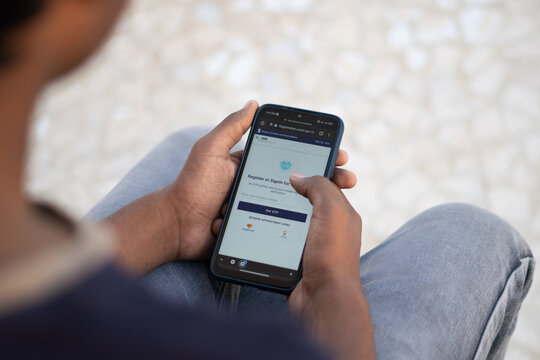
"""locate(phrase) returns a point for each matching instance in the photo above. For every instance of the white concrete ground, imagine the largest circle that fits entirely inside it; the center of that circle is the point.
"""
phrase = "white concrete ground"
(441, 100)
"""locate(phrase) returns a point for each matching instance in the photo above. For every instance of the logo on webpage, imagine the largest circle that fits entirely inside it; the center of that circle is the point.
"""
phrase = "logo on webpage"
(248, 227)
(285, 165)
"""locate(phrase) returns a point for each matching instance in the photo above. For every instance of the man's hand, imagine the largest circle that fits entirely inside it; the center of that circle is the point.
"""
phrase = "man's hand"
(205, 182)
(203, 186)
(330, 297)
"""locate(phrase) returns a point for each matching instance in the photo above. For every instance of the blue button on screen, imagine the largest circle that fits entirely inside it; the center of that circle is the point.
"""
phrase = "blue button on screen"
(271, 211)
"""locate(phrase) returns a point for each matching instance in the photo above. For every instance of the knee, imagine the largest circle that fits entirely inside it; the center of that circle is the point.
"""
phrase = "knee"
(478, 228)
(466, 214)
(470, 244)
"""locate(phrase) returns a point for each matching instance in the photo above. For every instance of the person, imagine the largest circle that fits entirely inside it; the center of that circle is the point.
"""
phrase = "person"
(446, 285)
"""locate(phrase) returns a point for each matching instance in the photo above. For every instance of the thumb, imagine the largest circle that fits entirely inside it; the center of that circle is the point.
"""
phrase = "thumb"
(314, 188)
(229, 132)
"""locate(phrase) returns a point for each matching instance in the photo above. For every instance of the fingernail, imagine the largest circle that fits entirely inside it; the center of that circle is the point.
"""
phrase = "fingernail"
(297, 176)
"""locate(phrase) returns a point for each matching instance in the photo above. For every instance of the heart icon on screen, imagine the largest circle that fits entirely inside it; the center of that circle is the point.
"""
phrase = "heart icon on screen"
(285, 165)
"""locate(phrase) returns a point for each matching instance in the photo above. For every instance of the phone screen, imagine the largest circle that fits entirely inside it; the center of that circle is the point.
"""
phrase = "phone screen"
(266, 225)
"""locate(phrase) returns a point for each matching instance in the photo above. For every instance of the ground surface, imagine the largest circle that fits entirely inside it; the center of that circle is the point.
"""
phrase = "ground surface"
(441, 101)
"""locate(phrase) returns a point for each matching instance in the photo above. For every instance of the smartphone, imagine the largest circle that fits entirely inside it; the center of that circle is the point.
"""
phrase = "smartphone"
(265, 227)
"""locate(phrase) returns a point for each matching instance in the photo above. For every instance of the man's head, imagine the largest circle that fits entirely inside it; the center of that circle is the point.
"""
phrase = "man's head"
(59, 34)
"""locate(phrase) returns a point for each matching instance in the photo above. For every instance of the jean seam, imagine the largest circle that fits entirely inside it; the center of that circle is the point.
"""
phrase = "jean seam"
(510, 275)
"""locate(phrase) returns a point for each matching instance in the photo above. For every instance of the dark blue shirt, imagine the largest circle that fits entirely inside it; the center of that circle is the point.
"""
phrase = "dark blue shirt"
(110, 315)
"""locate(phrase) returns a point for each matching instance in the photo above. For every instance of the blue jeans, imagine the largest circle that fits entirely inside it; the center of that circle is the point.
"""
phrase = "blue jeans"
(447, 285)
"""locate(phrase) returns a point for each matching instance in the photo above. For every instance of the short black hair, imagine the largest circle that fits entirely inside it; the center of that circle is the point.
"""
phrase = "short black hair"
(14, 13)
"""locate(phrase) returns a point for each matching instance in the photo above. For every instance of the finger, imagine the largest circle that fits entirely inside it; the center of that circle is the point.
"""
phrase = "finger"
(343, 178)
(223, 209)
(229, 132)
(237, 155)
(216, 226)
(314, 188)
(342, 158)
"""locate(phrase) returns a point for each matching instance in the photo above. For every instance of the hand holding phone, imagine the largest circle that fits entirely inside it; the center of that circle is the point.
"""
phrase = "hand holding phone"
(329, 297)
(334, 238)
(204, 184)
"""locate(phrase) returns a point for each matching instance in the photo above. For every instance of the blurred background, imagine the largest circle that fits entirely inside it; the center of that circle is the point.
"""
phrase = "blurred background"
(440, 98)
